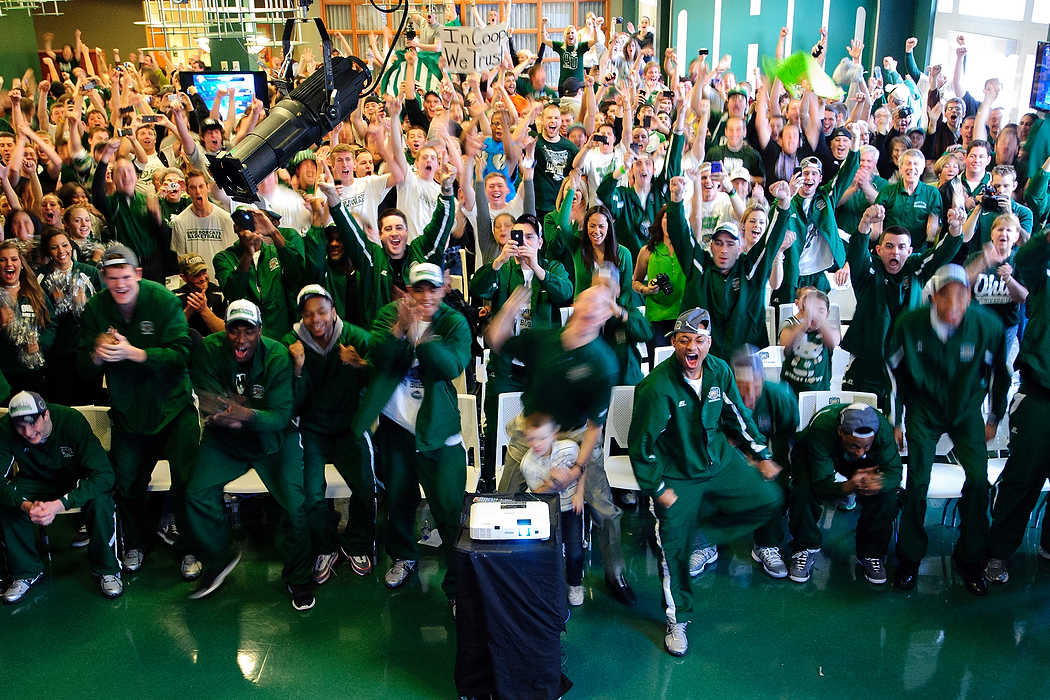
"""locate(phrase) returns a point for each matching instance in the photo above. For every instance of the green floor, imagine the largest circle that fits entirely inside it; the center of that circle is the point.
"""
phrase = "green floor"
(754, 638)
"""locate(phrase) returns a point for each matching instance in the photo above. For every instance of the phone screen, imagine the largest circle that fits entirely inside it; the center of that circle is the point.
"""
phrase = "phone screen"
(716, 167)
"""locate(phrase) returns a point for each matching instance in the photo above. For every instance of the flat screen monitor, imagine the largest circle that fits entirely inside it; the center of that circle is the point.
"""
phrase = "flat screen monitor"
(1041, 78)
(247, 86)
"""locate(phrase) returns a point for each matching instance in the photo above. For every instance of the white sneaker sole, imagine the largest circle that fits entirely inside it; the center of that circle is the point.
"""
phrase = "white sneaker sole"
(702, 569)
(770, 573)
(214, 586)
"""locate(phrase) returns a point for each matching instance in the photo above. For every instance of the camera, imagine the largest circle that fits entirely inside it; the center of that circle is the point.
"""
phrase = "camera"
(243, 219)
(989, 199)
(663, 283)
(124, 132)
(599, 138)
(149, 119)
(617, 20)
(89, 85)
(173, 187)
(410, 32)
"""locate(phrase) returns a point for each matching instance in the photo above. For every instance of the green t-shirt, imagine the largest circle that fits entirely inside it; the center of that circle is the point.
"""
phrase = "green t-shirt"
(807, 362)
(660, 306)
(747, 158)
(572, 386)
(911, 210)
(571, 59)
(553, 162)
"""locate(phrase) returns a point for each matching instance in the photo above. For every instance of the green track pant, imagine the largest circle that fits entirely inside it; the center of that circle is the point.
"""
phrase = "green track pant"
(731, 503)
(1026, 471)
(352, 458)
(874, 527)
(924, 429)
(443, 475)
(281, 473)
(135, 455)
(19, 532)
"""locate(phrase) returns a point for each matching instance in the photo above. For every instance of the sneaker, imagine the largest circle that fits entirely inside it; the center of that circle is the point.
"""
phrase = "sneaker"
(874, 569)
(771, 561)
(323, 566)
(701, 558)
(190, 568)
(675, 640)
(211, 580)
(361, 564)
(575, 595)
(168, 532)
(302, 597)
(133, 559)
(630, 498)
(81, 538)
(847, 502)
(18, 589)
(1044, 553)
(995, 571)
(801, 566)
(398, 572)
(111, 585)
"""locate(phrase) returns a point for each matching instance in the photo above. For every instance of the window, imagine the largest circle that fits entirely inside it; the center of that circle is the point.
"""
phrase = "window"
(357, 19)
(1000, 9)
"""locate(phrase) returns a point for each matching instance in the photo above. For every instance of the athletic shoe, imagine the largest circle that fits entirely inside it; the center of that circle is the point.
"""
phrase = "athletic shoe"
(847, 502)
(211, 580)
(874, 569)
(81, 538)
(630, 498)
(323, 566)
(133, 559)
(302, 596)
(675, 640)
(18, 589)
(771, 561)
(360, 564)
(995, 571)
(801, 566)
(190, 568)
(398, 572)
(111, 585)
(168, 532)
(1044, 553)
(575, 595)
(701, 558)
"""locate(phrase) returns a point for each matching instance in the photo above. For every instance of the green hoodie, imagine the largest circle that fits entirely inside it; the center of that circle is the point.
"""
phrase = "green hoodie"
(665, 442)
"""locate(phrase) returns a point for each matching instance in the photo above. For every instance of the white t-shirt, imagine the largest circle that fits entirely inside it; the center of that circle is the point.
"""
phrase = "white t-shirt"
(816, 253)
(291, 207)
(537, 469)
(363, 197)
(418, 199)
(403, 405)
(204, 235)
(717, 211)
(596, 165)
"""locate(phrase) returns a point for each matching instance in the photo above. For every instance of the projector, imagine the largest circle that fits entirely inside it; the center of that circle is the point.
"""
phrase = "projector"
(498, 519)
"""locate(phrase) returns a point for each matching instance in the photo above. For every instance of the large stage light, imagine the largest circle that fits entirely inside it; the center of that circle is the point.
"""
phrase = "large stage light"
(297, 122)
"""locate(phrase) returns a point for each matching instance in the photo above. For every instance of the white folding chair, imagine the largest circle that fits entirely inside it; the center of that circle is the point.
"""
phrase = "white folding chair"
(468, 428)
(336, 486)
(839, 362)
(772, 361)
(809, 402)
(617, 425)
(566, 311)
(771, 325)
(459, 284)
(509, 406)
(247, 484)
(661, 353)
(98, 418)
(466, 277)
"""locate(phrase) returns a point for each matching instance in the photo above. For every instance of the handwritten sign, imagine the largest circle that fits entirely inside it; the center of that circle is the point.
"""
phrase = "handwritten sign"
(469, 49)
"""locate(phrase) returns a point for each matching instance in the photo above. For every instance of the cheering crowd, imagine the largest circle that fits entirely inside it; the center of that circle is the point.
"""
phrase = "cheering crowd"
(562, 233)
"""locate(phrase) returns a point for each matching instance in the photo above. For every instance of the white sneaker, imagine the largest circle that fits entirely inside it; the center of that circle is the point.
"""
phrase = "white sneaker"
(771, 561)
(190, 568)
(575, 595)
(111, 585)
(323, 566)
(133, 559)
(675, 641)
(701, 558)
(398, 572)
(18, 589)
